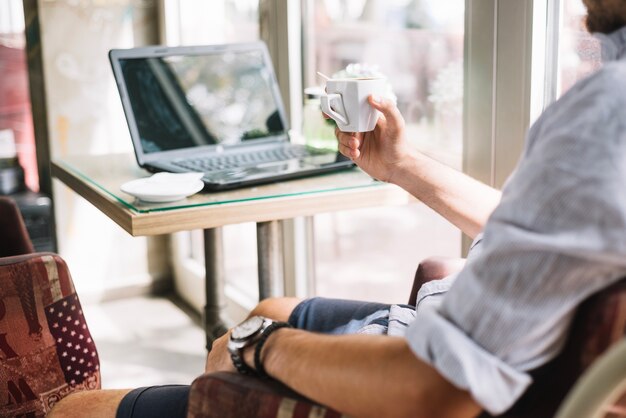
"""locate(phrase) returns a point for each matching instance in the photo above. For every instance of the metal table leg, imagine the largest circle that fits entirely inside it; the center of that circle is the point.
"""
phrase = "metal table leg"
(214, 285)
(270, 258)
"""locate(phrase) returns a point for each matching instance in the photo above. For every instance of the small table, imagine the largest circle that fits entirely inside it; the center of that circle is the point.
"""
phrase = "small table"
(98, 178)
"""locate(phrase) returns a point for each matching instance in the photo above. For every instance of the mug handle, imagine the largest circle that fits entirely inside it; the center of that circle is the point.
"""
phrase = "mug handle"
(325, 103)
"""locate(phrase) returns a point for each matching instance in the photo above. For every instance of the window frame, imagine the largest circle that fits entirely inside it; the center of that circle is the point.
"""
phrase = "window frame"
(507, 84)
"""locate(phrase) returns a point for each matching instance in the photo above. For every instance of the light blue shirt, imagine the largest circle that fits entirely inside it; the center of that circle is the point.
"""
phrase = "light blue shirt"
(558, 236)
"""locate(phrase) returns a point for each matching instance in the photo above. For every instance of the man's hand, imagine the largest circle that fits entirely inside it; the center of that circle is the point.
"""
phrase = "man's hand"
(219, 359)
(380, 152)
(386, 155)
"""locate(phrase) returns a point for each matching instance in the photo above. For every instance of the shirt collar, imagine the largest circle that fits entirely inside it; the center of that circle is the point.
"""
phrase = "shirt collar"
(613, 44)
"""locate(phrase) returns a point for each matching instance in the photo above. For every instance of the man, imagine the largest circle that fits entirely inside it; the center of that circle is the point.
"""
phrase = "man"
(556, 235)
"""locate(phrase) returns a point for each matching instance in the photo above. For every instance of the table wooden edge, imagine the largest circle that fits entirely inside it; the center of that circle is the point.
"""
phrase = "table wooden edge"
(202, 217)
(107, 204)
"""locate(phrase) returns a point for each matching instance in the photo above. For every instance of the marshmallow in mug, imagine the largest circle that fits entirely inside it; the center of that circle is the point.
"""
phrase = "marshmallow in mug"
(346, 103)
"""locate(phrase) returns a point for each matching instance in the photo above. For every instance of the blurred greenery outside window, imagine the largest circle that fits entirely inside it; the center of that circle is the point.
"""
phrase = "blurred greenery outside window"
(371, 254)
(416, 44)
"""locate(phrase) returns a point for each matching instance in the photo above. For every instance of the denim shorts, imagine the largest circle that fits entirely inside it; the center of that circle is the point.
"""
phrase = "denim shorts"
(339, 316)
(329, 316)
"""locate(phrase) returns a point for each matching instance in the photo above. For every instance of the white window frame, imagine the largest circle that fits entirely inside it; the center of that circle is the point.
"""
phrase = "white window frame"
(507, 82)
(499, 89)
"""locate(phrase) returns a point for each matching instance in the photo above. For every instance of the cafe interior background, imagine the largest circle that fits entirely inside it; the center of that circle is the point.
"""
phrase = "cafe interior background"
(465, 104)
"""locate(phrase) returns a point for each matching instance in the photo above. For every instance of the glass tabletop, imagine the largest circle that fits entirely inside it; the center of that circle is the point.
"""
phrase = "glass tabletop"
(108, 172)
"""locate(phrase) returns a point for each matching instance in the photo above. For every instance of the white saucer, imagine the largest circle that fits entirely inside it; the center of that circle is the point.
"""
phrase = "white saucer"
(164, 187)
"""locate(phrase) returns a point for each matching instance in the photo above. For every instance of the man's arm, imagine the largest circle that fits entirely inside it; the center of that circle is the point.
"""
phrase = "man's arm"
(363, 376)
(462, 200)
(360, 375)
(385, 154)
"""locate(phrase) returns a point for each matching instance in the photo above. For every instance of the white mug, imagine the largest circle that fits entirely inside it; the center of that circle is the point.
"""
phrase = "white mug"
(346, 103)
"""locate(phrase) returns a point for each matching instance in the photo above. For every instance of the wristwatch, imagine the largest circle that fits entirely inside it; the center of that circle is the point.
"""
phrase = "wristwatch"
(244, 335)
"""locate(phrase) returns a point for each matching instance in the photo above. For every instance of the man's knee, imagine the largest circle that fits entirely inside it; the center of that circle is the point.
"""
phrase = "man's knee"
(276, 308)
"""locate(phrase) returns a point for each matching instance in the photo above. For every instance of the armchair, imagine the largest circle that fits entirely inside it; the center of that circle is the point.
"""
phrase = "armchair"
(46, 350)
(599, 323)
(601, 391)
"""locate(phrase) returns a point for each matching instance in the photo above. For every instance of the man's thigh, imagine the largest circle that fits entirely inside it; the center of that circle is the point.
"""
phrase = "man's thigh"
(330, 316)
(279, 309)
(338, 316)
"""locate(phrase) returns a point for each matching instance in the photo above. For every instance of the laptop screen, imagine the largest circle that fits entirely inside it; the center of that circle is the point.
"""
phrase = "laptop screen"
(184, 101)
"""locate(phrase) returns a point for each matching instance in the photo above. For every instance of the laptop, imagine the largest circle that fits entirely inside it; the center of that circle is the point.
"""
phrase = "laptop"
(215, 109)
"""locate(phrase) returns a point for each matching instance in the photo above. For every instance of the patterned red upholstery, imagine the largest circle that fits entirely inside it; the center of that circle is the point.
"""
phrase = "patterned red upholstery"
(598, 324)
(231, 395)
(46, 350)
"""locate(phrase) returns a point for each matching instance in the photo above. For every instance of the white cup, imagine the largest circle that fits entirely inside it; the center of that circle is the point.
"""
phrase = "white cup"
(346, 103)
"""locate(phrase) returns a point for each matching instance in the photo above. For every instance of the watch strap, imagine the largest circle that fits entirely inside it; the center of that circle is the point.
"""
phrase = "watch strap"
(258, 364)
(240, 365)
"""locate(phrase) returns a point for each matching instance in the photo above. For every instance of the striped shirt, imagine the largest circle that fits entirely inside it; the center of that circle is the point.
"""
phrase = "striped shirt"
(558, 236)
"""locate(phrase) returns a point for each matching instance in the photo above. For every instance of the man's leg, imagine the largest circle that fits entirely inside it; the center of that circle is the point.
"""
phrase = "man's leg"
(166, 401)
(333, 316)
(105, 403)
(278, 309)
(92, 403)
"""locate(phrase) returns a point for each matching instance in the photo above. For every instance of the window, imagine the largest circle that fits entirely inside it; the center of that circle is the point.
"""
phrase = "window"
(197, 22)
(417, 45)
(426, 66)
(372, 254)
(16, 125)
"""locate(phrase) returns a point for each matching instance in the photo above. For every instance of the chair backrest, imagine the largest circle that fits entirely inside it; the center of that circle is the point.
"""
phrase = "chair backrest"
(601, 391)
(599, 323)
(46, 350)
(14, 239)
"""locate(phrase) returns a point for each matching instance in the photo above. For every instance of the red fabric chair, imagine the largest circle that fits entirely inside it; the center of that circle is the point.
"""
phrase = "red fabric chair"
(46, 350)
(599, 323)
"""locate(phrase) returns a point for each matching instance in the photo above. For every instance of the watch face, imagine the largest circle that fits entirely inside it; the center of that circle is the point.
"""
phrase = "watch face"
(247, 328)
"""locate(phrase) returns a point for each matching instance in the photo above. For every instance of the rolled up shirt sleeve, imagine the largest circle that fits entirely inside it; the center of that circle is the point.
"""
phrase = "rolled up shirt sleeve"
(558, 236)
(491, 381)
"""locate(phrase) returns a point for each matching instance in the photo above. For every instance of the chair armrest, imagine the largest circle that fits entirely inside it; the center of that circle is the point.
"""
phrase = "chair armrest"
(231, 395)
(434, 268)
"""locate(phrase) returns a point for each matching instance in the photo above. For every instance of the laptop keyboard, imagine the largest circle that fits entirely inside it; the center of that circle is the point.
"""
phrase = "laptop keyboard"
(235, 160)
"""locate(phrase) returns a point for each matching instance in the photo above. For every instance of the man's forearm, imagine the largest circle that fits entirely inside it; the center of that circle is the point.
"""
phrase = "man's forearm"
(465, 202)
(363, 376)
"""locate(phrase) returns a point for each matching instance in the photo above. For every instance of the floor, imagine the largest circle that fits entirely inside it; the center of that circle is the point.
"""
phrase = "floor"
(145, 341)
